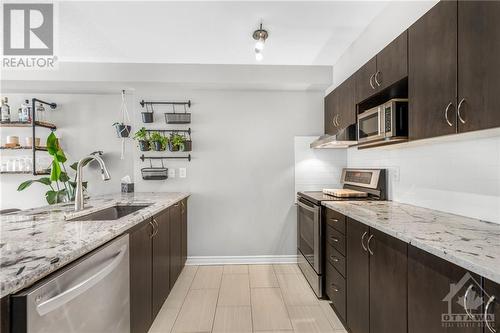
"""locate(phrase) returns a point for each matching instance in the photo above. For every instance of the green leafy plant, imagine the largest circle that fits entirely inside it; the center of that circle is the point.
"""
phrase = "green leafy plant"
(61, 187)
(177, 142)
(157, 137)
(141, 134)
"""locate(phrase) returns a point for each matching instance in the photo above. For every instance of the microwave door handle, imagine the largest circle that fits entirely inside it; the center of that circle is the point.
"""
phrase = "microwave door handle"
(73, 292)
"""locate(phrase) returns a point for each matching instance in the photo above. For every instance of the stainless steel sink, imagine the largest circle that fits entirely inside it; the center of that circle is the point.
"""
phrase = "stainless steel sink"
(110, 213)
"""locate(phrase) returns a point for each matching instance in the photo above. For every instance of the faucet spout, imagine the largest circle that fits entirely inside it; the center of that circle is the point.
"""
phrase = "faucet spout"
(79, 202)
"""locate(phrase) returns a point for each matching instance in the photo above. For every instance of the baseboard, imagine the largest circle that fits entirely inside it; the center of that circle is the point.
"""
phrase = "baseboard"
(247, 260)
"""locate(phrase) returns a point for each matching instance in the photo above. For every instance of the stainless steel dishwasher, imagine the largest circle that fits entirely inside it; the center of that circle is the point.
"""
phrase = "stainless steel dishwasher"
(91, 295)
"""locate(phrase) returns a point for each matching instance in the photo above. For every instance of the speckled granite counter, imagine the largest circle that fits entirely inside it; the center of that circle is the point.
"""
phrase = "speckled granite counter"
(36, 242)
(466, 242)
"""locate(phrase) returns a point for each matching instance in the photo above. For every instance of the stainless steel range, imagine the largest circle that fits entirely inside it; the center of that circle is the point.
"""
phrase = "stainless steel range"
(358, 184)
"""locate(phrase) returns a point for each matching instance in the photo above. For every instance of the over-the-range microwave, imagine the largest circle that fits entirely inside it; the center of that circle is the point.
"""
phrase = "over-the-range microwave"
(386, 121)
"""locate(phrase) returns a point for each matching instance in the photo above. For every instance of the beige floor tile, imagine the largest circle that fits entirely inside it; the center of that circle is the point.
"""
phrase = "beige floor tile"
(331, 316)
(164, 321)
(181, 287)
(268, 310)
(296, 290)
(234, 290)
(235, 269)
(286, 269)
(233, 319)
(197, 312)
(188, 273)
(309, 319)
(262, 276)
(207, 277)
(279, 331)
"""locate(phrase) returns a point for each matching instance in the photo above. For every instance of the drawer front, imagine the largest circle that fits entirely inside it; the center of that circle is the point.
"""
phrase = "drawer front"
(336, 239)
(335, 258)
(336, 220)
(336, 290)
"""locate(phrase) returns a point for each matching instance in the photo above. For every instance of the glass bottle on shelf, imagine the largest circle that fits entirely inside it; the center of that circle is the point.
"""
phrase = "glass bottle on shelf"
(5, 114)
(40, 112)
(26, 107)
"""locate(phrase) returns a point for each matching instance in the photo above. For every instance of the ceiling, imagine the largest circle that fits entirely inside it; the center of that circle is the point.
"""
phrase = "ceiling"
(209, 32)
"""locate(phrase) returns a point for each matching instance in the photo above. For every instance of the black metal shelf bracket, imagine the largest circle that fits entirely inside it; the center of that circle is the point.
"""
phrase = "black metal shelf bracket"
(188, 157)
(34, 125)
(143, 103)
(188, 131)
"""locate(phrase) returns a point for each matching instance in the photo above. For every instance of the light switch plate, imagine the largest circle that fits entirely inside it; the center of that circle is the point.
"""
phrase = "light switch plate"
(171, 173)
(182, 172)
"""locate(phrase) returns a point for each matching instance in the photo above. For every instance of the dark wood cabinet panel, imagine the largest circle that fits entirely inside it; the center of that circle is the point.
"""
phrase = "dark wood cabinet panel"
(141, 278)
(175, 242)
(336, 290)
(336, 220)
(364, 77)
(388, 283)
(336, 239)
(346, 114)
(184, 246)
(479, 64)
(392, 62)
(492, 297)
(161, 261)
(432, 80)
(336, 259)
(331, 109)
(430, 280)
(358, 297)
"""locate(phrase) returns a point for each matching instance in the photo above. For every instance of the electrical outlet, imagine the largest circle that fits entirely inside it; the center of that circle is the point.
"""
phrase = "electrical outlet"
(171, 173)
(182, 172)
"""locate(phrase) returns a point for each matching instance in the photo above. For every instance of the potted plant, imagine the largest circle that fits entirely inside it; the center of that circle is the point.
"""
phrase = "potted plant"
(142, 138)
(122, 130)
(177, 142)
(158, 141)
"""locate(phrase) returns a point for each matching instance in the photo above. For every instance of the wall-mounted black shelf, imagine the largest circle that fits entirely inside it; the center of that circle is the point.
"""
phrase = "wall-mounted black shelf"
(143, 103)
(45, 124)
(188, 131)
(188, 157)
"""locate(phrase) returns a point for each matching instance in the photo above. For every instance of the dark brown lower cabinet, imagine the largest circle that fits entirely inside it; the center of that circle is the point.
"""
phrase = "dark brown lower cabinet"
(141, 278)
(358, 283)
(175, 242)
(436, 287)
(388, 283)
(161, 261)
(184, 232)
(492, 301)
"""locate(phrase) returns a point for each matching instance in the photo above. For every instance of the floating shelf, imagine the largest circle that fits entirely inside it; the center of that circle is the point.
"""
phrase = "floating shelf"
(39, 148)
(37, 173)
(28, 124)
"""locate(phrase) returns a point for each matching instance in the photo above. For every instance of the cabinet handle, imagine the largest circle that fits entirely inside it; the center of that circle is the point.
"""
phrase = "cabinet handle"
(465, 301)
(338, 120)
(368, 244)
(371, 81)
(486, 308)
(334, 220)
(334, 259)
(363, 241)
(157, 226)
(183, 207)
(335, 288)
(446, 114)
(153, 229)
(334, 239)
(376, 78)
(462, 120)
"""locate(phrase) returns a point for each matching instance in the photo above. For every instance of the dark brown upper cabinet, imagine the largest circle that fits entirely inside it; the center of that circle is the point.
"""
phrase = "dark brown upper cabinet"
(365, 86)
(331, 107)
(340, 107)
(478, 65)
(429, 293)
(432, 79)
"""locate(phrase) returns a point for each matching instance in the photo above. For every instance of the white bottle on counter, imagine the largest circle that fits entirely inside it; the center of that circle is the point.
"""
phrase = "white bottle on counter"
(5, 110)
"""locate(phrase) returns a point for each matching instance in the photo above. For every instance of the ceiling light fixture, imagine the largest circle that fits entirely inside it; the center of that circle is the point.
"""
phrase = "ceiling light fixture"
(260, 35)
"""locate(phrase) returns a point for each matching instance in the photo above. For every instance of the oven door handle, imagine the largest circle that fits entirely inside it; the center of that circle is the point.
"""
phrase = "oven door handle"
(306, 207)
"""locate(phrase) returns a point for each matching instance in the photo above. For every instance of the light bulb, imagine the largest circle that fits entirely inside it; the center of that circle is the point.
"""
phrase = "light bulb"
(259, 56)
(259, 46)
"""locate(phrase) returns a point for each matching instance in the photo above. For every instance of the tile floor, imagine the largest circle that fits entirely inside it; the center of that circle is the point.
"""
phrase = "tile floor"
(244, 298)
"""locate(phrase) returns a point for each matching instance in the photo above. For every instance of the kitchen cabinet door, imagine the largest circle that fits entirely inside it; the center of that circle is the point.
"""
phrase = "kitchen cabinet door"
(432, 79)
(346, 103)
(175, 242)
(478, 65)
(492, 291)
(392, 62)
(358, 283)
(388, 283)
(364, 77)
(331, 110)
(430, 295)
(140, 243)
(161, 261)
(183, 232)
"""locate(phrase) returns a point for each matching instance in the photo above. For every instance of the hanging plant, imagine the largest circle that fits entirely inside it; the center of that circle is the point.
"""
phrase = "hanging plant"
(142, 138)
(122, 129)
(158, 141)
(177, 142)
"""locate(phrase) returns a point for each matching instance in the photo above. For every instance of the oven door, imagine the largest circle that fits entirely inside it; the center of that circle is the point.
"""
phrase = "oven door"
(371, 125)
(309, 233)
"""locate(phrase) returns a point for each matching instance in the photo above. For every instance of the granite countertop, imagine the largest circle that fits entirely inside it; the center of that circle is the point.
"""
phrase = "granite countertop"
(36, 242)
(470, 243)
